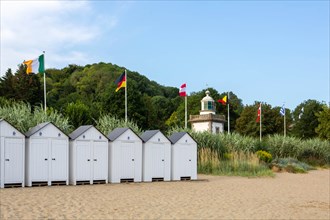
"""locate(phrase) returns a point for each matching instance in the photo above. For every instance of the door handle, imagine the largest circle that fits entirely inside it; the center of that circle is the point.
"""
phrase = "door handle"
(6, 159)
(95, 159)
(88, 160)
(189, 160)
(132, 159)
(53, 158)
(46, 159)
(162, 159)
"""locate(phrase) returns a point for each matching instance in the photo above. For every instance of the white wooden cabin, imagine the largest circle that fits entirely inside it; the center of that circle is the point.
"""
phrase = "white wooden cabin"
(12, 153)
(88, 156)
(184, 157)
(125, 156)
(47, 156)
(156, 165)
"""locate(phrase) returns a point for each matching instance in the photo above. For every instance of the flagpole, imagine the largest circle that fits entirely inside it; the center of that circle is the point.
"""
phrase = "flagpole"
(228, 114)
(284, 124)
(45, 93)
(185, 112)
(260, 122)
(126, 96)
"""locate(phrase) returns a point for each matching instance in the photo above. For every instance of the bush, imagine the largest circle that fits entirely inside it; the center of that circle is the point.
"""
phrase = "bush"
(264, 156)
(291, 165)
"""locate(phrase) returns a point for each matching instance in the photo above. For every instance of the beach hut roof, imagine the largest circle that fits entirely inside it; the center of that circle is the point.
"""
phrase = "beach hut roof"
(79, 131)
(82, 129)
(38, 127)
(175, 137)
(119, 131)
(149, 134)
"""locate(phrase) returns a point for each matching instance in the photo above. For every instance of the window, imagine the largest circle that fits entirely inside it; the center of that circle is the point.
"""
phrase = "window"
(217, 130)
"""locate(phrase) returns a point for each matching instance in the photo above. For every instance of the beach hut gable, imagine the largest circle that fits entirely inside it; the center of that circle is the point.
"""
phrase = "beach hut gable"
(8, 130)
(155, 136)
(12, 155)
(87, 132)
(46, 129)
(123, 134)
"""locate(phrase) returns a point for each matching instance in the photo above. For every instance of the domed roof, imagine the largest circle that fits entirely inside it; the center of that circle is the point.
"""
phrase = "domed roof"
(207, 97)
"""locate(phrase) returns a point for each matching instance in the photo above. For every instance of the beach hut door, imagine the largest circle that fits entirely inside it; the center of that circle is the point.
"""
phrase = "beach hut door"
(127, 159)
(158, 160)
(13, 160)
(59, 160)
(100, 160)
(84, 160)
(186, 156)
(39, 160)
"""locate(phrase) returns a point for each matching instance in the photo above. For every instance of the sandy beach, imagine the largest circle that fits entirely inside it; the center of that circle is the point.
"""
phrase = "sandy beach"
(286, 196)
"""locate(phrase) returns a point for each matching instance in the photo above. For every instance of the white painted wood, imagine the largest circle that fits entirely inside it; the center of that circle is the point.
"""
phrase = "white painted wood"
(89, 157)
(12, 155)
(47, 156)
(39, 160)
(84, 161)
(157, 158)
(59, 160)
(100, 160)
(125, 158)
(184, 158)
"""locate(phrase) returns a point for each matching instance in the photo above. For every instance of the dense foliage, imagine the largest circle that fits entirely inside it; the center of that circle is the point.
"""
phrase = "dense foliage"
(85, 94)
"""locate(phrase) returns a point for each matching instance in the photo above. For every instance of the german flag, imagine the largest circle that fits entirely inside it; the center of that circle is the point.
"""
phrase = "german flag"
(121, 81)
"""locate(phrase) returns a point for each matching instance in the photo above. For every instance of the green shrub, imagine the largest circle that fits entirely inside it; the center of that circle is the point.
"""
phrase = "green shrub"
(291, 165)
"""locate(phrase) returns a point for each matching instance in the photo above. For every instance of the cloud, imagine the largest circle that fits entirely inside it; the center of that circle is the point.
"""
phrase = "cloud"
(60, 28)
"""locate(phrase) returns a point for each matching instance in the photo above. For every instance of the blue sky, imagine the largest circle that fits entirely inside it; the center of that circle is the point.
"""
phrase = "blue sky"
(271, 51)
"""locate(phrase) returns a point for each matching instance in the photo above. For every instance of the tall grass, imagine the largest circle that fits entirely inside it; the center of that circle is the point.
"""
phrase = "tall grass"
(237, 163)
(22, 116)
(108, 123)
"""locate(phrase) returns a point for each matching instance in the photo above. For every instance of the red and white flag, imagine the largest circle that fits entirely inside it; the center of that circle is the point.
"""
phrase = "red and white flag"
(259, 113)
(182, 91)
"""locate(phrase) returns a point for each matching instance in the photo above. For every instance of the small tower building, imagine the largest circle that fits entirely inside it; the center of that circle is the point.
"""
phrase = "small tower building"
(207, 120)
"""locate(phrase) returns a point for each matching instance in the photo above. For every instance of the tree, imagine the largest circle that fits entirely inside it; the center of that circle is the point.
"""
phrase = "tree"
(271, 120)
(78, 114)
(305, 119)
(235, 109)
(323, 117)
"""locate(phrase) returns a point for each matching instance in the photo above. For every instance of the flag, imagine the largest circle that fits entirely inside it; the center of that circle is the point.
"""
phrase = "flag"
(182, 91)
(223, 100)
(259, 113)
(121, 81)
(282, 111)
(35, 66)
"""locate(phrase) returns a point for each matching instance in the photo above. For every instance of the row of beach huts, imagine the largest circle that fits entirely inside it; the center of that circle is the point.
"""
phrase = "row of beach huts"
(45, 155)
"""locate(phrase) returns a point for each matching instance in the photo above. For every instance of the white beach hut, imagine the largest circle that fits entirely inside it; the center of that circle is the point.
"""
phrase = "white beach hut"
(125, 156)
(156, 165)
(47, 156)
(184, 157)
(88, 156)
(12, 153)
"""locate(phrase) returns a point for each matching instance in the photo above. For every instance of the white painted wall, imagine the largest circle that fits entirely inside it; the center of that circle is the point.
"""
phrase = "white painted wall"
(184, 158)
(12, 151)
(125, 158)
(156, 158)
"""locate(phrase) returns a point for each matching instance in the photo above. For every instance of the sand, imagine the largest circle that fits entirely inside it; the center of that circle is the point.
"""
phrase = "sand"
(286, 196)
